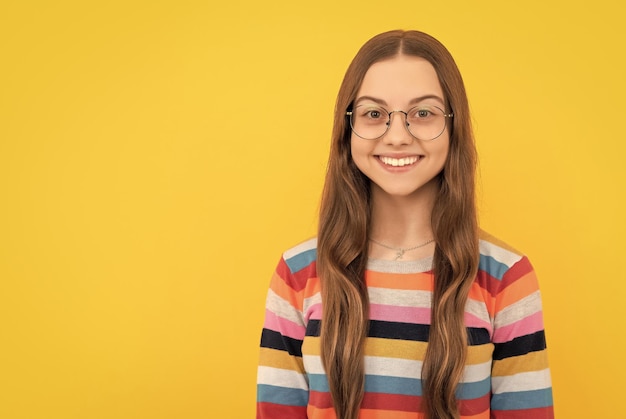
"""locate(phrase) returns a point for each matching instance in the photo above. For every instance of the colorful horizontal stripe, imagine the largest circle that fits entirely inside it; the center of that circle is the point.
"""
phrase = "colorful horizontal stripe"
(506, 374)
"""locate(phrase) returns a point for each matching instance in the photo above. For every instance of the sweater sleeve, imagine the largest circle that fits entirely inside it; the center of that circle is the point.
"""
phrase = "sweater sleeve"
(282, 385)
(521, 384)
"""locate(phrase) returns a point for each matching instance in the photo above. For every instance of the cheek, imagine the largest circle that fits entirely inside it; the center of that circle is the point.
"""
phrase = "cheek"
(359, 155)
(439, 153)
(354, 144)
(355, 150)
(445, 150)
(443, 147)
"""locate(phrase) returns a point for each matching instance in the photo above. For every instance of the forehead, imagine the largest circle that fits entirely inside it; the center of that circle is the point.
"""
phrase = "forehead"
(401, 79)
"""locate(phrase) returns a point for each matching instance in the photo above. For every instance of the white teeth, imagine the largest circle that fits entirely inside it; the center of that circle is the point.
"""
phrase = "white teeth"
(390, 161)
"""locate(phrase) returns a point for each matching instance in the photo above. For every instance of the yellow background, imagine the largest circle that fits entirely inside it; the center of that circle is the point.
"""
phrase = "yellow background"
(157, 157)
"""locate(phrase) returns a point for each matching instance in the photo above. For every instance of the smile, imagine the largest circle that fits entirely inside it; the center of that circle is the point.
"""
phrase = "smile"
(404, 161)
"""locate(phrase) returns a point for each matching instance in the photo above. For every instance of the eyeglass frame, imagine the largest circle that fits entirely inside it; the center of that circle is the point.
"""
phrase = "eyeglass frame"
(349, 113)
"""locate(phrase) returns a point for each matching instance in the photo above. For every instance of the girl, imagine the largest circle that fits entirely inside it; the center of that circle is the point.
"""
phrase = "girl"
(402, 307)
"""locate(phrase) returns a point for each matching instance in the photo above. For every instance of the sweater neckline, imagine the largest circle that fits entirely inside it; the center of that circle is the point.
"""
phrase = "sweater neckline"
(400, 266)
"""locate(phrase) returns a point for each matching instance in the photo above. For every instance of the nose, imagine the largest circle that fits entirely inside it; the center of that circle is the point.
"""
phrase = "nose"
(398, 132)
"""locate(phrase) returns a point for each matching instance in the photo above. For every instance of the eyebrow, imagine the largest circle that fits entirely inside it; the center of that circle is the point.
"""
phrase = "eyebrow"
(411, 102)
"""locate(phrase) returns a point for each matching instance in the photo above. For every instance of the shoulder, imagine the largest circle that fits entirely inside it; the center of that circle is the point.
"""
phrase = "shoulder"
(297, 264)
(301, 256)
(500, 264)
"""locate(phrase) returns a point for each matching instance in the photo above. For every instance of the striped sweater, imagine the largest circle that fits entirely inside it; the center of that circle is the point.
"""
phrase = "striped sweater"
(506, 374)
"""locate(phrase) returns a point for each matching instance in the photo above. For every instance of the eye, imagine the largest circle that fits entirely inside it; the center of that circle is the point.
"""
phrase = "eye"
(424, 114)
(371, 113)
(421, 113)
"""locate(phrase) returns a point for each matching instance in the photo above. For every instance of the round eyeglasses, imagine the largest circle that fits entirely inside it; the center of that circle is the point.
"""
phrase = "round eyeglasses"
(424, 122)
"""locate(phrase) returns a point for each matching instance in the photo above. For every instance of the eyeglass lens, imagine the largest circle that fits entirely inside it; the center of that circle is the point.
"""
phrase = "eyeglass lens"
(424, 122)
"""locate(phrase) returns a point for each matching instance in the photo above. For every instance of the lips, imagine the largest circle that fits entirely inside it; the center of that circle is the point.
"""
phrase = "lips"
(398, 162)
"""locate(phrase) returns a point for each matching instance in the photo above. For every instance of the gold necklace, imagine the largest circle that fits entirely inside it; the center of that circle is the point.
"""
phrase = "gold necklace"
(399, 250)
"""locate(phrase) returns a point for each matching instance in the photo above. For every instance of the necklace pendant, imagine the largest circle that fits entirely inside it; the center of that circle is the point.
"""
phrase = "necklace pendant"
(400, 251)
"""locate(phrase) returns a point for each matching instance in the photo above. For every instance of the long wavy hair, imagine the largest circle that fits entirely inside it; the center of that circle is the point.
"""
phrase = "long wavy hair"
(343, 240)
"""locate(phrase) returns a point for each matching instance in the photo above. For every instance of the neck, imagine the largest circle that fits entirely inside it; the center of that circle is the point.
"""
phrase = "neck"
(402, 221)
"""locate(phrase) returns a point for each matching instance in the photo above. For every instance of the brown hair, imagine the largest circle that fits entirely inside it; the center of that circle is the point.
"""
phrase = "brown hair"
(343, 240)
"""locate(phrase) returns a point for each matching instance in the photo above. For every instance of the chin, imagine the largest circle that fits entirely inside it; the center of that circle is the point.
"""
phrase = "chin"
(401, 192)
(406, 191)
